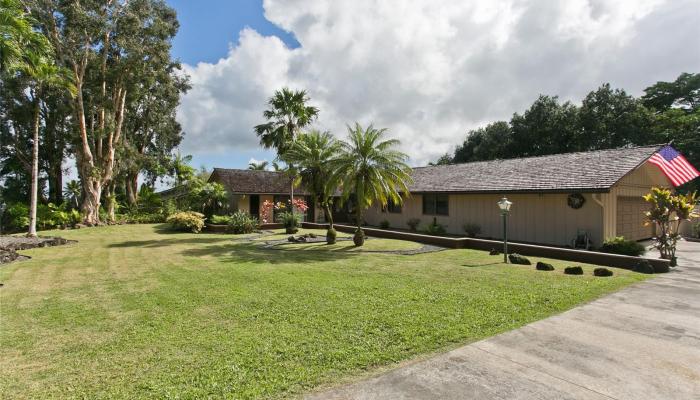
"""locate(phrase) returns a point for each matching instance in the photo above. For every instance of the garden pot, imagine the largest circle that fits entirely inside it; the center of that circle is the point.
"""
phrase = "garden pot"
(359, 238)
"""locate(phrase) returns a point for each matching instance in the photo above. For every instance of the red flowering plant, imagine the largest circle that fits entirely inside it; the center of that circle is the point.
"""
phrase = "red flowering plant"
(290, 215)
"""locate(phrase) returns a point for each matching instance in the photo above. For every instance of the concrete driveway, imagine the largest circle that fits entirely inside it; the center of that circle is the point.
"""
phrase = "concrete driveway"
(642, 342)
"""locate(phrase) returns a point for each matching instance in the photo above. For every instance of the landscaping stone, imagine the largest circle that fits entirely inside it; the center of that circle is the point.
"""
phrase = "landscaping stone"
(602, 272)
(577, 270)
(516, 258)
(9, 245)
(541, 266)
(494, 252)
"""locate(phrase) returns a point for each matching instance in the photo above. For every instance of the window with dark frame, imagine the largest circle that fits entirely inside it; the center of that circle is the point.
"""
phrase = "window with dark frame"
(436, 204)
(392, 207)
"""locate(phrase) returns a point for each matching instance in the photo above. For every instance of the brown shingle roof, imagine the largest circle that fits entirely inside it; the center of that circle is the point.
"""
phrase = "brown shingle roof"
(247, 181)
(593, 171)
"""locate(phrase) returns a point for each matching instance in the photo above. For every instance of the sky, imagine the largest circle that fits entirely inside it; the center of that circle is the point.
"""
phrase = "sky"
(428, 71)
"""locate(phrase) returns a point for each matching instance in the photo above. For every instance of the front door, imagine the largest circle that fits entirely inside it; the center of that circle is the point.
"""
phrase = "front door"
(255, 205)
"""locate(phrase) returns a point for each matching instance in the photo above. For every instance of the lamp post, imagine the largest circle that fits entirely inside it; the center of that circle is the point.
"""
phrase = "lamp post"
(504, 205)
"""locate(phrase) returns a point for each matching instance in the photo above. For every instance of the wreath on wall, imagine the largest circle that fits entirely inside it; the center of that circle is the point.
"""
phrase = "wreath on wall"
(575, 200)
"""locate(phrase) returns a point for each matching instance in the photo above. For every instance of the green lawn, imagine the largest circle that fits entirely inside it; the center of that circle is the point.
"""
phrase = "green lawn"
(135, 311)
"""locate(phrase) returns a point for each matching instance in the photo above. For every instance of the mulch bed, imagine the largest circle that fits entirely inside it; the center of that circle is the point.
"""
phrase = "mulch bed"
(9, 245)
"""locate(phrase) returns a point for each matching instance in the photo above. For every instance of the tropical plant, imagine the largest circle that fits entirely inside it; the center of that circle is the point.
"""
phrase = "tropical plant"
(620, 245)
(313, 152)
(287, 114)
(242, 222)
(258, 166)
(413, 224)
(435, 228)
(189, 221)
(472, 229)
(667, 212)
(290, 220)
(220, 219)
(370, 168)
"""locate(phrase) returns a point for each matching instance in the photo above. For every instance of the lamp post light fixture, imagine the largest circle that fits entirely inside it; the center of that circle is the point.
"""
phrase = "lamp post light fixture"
(504, 205)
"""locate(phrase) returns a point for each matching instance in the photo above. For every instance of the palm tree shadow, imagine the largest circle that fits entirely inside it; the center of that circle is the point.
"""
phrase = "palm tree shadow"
(257, 254)
(481, 265)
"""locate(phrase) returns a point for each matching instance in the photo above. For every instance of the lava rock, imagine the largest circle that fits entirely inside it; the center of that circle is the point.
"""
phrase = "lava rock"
(577, 270)
(494, 252)
(544, 266)
(602, 272)
(516, 258)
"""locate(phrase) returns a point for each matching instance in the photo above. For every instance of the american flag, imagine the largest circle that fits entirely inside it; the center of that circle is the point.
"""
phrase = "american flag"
(674, 165)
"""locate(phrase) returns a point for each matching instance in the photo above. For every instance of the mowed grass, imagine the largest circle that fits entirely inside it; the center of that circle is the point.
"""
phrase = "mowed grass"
(134, 311)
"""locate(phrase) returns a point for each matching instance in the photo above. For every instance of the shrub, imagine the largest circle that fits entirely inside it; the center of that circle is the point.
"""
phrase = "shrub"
(331, 236)
(472, 230)
(137, 217)
(602, 272)
(220, 219)
(290, 220)
(16, 217)
(169, 208)
(619, 245)
(384, 224)
(435, 229)
(644, 267)
(577, 270)
(413, 224)
(189, 221)
(242, 222)
(541, 266)
(516, 258)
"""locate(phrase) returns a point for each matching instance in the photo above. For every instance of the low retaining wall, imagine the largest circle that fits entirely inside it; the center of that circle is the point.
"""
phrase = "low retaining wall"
(559, 253)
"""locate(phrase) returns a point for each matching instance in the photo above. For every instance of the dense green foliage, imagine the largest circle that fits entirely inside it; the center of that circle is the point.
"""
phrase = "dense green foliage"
(192, 316)
(219, 219)
(187, 221)
(242, 222)
(290, 220)
(606, 118)
(667, 211)
(620, 245)
(435, 228)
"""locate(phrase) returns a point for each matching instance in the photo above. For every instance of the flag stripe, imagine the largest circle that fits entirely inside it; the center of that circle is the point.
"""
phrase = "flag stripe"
(663, 164)
(674, 166)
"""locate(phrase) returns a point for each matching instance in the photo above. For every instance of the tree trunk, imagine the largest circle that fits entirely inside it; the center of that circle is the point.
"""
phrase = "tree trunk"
(35, 170)
(132, 194)
(329, 216)
(111, 203)
(56, 183)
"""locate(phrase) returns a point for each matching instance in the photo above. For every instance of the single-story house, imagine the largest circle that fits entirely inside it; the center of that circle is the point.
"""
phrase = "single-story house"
(249, 189)
(554, 197)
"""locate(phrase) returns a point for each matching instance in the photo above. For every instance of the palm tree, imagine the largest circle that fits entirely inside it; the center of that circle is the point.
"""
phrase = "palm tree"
(370, 168)
(19, 41)
(180, 168)
(258, 166)
(72, 191)
(313, 152)
(288, 113)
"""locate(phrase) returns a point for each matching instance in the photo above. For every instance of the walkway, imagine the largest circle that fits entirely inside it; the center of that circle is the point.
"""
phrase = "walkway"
(640, 343)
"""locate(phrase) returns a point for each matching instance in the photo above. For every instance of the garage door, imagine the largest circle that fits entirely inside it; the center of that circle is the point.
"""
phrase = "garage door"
(630, 218)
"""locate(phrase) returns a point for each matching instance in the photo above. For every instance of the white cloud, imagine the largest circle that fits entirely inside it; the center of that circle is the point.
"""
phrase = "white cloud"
(431, 70)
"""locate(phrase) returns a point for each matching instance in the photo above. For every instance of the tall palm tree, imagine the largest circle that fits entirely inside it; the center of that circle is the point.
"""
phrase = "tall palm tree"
(288, 113)
(372, 169)
(313, 152)
(258, 166)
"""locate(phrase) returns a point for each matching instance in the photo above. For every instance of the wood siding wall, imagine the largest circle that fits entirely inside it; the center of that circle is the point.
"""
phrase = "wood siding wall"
(534, 218)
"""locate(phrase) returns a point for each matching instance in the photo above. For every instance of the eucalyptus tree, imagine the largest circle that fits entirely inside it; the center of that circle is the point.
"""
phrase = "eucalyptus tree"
(313, 153)
(371, 168)
(287, 114)
(109, 46)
